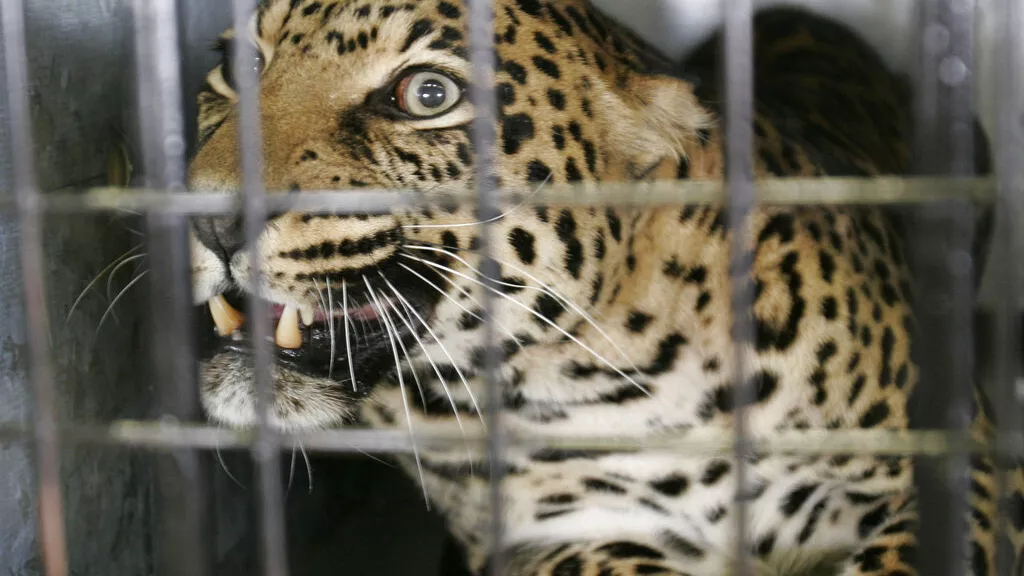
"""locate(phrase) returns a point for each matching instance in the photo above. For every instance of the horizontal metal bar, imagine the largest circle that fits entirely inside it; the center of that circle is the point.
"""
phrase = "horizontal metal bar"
(173, 435)
(781, 191)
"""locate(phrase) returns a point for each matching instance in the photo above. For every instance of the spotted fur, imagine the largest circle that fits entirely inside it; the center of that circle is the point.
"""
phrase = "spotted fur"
(612, 320)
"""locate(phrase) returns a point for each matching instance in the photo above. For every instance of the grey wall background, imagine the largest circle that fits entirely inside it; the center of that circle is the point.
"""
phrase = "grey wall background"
(81, 92)
(79, 50)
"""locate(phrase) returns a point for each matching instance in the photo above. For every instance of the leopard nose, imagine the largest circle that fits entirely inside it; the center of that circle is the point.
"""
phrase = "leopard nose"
(223, 235)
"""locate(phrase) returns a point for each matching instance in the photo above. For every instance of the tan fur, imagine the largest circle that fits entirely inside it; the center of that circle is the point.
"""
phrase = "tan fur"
(645, 346)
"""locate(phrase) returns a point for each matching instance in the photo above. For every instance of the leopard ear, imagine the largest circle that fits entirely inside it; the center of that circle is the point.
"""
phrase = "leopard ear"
(662, 118)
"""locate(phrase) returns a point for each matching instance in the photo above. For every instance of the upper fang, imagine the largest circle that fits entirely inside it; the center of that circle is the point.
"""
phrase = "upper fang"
(287, 334)
(227, 319)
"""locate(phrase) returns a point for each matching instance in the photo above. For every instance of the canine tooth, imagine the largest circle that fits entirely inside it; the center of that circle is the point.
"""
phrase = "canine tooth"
(308, 315)
(287, 334)
(227, 319)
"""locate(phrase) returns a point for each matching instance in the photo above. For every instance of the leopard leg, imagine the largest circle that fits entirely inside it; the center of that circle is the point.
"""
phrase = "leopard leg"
(986, 527)
(1013, 522)
(983, 520)
(889, 549)
(668, 555)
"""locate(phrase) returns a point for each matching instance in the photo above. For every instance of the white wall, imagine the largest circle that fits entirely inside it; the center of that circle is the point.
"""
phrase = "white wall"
(676, 26)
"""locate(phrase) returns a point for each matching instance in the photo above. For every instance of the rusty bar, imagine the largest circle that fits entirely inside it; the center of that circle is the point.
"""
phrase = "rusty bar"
(33, 269)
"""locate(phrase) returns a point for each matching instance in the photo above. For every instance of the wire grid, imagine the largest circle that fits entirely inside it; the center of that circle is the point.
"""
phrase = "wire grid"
(943, 152)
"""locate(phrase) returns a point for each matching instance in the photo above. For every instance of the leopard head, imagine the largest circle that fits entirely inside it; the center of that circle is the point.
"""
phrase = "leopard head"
(374, 94)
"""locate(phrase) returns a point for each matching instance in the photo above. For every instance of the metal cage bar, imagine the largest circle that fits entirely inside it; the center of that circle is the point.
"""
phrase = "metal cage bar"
(739, 178)
(33, 270)
(183, 476)
(481, 94)
(1006, 329)
(941, 251)
(167, 436)
(266, 449)
(829, 191)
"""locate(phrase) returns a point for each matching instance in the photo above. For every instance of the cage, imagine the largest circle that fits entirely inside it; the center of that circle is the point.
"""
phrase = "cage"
(107, 464)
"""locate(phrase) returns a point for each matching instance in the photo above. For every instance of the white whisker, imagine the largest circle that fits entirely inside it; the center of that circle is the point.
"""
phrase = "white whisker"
(224, 466)
(348, 344)
(405, 352)
(330, 326)
(362, 324)
(328, 308)
(376, 306)
(459, 304)
(405, 402)
(85, 290)
(407, 320)
(551, 292)
(537, 315)
(412, 330)
(490, 220)
(117, 299)
(430, 331)
(320, 296)
(291, 472)
(374, 458)
(113, 273)
(309, 468)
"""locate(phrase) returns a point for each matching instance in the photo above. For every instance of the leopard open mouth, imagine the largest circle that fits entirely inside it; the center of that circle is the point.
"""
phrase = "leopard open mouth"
(329, 340)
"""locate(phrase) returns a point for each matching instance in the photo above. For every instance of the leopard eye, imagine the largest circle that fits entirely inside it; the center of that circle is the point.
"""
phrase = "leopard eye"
(227, 70)
(426, 94)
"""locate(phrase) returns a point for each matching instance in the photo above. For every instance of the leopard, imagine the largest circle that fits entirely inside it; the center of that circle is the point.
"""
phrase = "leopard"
(611, 319)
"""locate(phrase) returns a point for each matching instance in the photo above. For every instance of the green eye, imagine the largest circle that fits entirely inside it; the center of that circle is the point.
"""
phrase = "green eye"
(426, 94)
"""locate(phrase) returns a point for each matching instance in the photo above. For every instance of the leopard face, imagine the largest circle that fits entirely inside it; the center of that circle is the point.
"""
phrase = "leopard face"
(374, 95)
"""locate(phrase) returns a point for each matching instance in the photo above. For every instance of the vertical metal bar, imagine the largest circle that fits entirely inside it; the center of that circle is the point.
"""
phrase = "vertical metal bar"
(1009, 149)
(944, 135)
(183, 475)
(944, 145)
(33, 270)
(159, 78)
(481, 94)
(739, 173)
(265, 450)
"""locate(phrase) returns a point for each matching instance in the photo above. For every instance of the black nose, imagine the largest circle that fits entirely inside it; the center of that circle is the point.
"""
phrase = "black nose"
(223, 235)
